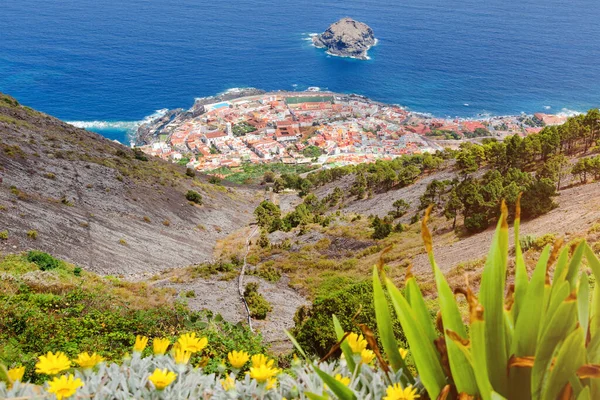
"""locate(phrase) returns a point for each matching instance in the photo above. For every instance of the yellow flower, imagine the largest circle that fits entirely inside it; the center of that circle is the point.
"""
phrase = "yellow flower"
(189, 342)
(271, 383)
(52, 364)
(395, 392)
(356, 342)
(159, 346)
(366, 356)
(263, 372)
(86, 361)
(64, 387)
(181, 357)
(260, 359)
(16, 374)
(238, 359)
(342, 379)
(403, 352)
(140, 343)
(161, 378)
(228, 383)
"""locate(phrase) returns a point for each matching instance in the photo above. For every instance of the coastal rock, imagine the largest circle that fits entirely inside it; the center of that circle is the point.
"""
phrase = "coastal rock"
(347, 38)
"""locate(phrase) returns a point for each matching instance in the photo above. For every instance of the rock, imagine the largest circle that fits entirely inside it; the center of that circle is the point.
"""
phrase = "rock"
(347, 38)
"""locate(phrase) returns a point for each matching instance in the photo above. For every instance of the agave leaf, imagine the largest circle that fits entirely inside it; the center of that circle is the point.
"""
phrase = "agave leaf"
(424, 352)
(594, 264)
(384, 325)
(476, 357)
(583, 301)
(296, 344)
(339, 333)
(575, 263)
(561, 270)
(462, 371)
(558, 295)
(417, 303)
(562, 323)
(527, 326)
(571, 356)
(342, 391)
(521, 279)
(585, 394)
(491, 295)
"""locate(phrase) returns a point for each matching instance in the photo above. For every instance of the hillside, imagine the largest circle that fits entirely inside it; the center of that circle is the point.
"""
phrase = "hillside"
(102, 206)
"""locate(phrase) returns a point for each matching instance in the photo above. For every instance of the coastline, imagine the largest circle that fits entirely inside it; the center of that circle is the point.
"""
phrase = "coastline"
(129, 128)
(248, 125)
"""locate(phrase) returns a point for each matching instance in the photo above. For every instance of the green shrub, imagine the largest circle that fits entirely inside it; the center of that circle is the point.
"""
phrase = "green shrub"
(77, 271)
(215, 180)
(193, 196)
(190, 172)
(32, 234)
(259, 306)
(268, 273)
(44, 261)
(4, 235)
(314, 327)
(139, 154)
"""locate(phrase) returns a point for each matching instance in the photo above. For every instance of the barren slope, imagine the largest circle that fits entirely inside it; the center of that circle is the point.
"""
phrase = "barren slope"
(91, 202)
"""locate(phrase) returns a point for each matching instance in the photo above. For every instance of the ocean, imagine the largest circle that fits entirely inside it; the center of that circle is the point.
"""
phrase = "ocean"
(109, 64)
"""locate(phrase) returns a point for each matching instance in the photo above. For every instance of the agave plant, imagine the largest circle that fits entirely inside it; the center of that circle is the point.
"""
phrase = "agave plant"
(538, 338)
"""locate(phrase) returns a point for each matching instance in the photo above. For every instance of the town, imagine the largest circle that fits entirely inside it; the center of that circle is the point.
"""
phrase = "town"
(327, 129)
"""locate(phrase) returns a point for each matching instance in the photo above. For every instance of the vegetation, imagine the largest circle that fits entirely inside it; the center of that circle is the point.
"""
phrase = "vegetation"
(549, 349)
(259, 306)
(66, 309)
(314, 329)
(193, 196)
(253, 173)
(242, 129)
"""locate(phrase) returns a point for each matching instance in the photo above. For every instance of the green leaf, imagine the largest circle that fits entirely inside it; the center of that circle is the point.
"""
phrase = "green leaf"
(491, 295)
(583, 301)
(424, 352)
(462, 372)
(585, 394)
(575, 263)
(342, 391)
(594, 264)
(296, 344)
(528, 321)
(561, 270)
(476, 357)
(521, 279)
(417, 303)
(339, 333)
(571, 356)
(384, 325)
(562, 322)
(314, 396)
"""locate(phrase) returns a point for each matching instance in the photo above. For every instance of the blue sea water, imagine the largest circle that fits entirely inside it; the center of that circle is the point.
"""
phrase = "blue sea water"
(119, 61)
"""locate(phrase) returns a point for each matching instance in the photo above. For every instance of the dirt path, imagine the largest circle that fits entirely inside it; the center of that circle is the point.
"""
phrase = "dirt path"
(578, 210)
(241, 278)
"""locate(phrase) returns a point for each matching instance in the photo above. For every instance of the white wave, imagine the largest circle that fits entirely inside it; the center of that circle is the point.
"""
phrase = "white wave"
(466, 104)
(120, 125)
(547, 107)
(128, 126)
(565, 112)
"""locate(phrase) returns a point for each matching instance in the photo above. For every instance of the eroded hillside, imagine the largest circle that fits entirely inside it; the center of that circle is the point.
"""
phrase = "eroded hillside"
(101, 205)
